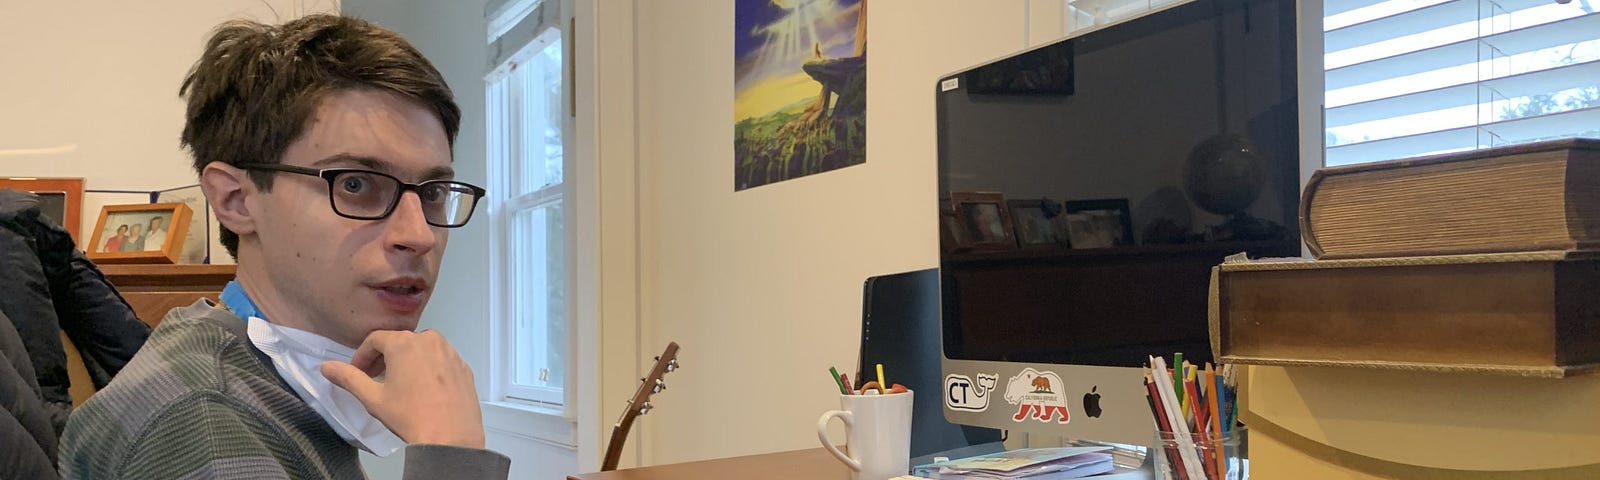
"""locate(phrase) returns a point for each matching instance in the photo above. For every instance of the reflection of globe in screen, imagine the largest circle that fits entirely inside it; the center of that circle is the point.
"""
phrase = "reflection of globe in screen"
(1224, 174)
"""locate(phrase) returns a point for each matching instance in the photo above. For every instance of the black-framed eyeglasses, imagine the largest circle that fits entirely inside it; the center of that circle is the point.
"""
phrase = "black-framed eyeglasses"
(368, 195)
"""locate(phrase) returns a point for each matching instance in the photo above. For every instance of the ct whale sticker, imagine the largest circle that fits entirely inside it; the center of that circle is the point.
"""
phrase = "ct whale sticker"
(961, 393)
(1038, 395)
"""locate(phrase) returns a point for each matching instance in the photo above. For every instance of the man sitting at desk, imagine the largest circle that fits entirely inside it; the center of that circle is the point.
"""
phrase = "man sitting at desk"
(324, 148)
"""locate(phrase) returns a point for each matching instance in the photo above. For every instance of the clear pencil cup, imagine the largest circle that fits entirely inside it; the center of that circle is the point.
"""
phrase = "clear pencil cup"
(1200, 456)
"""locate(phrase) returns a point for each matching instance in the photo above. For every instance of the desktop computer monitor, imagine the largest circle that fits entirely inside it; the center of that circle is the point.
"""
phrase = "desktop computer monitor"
(1086, 189)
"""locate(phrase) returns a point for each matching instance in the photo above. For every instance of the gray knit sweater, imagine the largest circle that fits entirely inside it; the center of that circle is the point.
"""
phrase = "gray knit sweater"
(200, 401)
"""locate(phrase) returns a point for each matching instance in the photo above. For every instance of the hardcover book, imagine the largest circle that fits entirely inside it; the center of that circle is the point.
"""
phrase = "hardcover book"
(1525, 314)
(1530, 197)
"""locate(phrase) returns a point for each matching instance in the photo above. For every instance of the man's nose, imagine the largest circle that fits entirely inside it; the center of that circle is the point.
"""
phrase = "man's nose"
(407, 229)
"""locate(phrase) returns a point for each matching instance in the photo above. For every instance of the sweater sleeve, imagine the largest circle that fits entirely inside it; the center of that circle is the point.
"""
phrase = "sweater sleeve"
(427, 461)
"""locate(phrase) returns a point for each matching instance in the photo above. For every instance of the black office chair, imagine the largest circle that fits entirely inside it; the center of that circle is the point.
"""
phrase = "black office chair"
(900, 329)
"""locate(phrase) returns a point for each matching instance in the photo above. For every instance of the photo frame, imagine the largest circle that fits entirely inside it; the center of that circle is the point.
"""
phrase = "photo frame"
(1036, 222)
(61, 199)
(197, 240)
(951, 235)
(1100, 223)
(140, 233)
(984, 218)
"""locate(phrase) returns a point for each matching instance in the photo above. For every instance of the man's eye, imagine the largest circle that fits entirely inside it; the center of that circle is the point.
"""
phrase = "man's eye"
(433, 193)
(355, 184)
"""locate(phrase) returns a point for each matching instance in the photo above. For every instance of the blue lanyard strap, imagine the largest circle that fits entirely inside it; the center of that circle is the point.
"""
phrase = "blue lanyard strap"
(234, 298)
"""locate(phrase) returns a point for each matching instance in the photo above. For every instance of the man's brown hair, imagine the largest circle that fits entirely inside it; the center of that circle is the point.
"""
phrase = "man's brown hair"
(256, 86)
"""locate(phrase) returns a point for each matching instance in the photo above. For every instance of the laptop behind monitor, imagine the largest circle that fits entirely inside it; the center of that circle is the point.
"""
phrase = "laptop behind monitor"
(900, 329)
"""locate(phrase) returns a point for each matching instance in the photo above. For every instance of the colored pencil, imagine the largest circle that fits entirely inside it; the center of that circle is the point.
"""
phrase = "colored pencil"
(837, 381)
(1169, 400)
(882, 385)
(1216, 421)
(1197, 410)
(1156, 410)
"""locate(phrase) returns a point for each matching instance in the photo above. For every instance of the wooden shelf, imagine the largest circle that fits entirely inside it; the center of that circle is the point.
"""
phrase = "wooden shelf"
(167, 277)
(1267, 248)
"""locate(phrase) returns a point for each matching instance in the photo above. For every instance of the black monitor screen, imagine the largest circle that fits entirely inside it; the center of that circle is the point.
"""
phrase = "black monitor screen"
(1087, 187)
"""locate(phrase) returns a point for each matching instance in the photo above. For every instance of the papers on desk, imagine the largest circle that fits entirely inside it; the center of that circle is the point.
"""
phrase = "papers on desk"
(1028, 463)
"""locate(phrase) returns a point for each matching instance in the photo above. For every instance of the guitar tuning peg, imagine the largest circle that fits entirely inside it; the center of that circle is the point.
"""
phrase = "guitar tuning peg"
(644, 409)
(671, 364)
(658, 358)
(658, 387)
(641, 379)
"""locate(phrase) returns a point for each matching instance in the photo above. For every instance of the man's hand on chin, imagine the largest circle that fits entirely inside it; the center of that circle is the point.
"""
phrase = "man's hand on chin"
(427, 395)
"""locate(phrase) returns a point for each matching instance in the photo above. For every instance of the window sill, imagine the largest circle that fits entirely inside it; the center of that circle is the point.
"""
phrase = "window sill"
(542, 424)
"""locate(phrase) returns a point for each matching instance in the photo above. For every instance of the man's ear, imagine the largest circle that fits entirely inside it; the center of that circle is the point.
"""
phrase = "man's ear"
(226, 188)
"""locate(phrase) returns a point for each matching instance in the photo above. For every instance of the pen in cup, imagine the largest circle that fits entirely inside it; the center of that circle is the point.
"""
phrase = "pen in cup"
(882, 384)
(838, 381)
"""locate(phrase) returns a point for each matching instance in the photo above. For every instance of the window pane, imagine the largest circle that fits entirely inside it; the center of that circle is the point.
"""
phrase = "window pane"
(551, 90)
(538, 84)
(539, 296)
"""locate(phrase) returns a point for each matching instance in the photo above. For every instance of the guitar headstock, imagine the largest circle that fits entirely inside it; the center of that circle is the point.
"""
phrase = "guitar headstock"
(640, 403)
(652, 384)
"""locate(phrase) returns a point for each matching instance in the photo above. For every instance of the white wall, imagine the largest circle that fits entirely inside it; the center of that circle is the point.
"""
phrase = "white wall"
(763, 287)
(90, 89)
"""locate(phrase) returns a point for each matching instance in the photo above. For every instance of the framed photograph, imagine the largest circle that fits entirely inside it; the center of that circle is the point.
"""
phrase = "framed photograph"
(197, 242)
(141, 233)
(1035, 222)
(61, 199)
(952, 236)
(1099, 223)
(984, 218)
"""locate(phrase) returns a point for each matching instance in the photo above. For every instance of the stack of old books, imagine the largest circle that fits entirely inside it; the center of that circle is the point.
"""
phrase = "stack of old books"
(1484, 261)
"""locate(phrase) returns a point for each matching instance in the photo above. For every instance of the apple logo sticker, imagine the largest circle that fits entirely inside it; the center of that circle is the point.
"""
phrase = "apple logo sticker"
(1091, 402)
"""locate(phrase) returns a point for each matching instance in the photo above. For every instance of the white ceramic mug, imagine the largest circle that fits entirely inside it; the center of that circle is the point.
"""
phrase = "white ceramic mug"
(878, 434)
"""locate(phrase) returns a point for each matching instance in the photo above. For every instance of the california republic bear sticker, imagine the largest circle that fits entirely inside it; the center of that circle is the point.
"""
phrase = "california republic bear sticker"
(1038, 395)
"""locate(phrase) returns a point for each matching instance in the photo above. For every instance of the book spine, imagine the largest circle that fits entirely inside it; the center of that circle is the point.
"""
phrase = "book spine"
(1308, 231)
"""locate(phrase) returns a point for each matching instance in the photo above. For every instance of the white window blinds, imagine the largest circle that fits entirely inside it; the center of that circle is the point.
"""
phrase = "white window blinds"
(1414, 77)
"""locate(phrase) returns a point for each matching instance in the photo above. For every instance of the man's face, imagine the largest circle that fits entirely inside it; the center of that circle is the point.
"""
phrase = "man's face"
(155, 224)
(339, 277)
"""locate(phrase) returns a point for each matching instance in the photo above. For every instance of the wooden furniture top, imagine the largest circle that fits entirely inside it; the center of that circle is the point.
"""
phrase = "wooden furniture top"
(814, 463)
(149, 277)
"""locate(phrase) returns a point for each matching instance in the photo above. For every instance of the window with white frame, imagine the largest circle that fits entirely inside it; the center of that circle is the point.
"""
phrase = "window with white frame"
(1414, 77)
(1081, 15)
(529, 205)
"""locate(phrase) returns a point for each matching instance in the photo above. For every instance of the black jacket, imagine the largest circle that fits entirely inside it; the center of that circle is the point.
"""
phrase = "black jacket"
(25, 430)
(48, 287)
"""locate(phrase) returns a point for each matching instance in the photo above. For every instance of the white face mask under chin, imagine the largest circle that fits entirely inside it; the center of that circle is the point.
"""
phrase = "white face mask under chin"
(298, 357)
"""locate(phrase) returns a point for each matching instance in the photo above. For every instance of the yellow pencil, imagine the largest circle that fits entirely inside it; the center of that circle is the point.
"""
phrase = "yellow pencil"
(881, 383)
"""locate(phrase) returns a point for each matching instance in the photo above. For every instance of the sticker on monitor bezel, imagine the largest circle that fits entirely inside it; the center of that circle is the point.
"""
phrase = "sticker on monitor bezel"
(1038, 395)
(962, 393)
(949, 84)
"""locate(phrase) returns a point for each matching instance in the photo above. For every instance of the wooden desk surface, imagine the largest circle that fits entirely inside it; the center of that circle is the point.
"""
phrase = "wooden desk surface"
(814, 463)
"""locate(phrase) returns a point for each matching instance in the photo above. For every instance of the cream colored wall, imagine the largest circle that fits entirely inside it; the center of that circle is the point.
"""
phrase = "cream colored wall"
(762, 288)
(90, 89)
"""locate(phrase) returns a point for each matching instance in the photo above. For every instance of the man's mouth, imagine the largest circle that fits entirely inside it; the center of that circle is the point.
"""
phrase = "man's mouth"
(403, 286)
(402, 289)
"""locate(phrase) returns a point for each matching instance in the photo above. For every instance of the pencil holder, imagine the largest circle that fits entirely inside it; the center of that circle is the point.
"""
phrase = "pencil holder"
(1200, 456)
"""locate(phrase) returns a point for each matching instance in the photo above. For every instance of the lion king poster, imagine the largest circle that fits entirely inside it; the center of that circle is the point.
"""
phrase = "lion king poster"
(800, 88)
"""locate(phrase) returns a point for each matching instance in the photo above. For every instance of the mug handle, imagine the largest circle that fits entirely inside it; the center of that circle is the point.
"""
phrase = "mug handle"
(822, 434)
